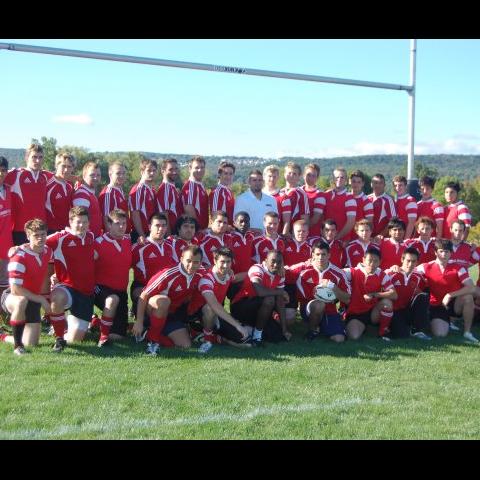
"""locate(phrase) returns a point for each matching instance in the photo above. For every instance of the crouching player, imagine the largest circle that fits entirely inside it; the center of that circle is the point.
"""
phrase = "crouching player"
(262, 293)
(207, 304)
(319, 313)
(112, 268)
(165, 299)
(74, 262)
(27, 270)
(411, 308)
(451, 291)
(372, 296)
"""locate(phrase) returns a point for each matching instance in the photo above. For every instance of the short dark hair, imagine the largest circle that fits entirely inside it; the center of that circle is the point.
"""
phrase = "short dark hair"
(158, 216)
(330, 221)
(320, 244)
(425, 219)
(185, 219)
(3, 162)
(115, 214)
(454, 185)
(225, 164)
(222, 252)
(359, 174)
(443, 244)
(194, 249)
(245, 214)
(395, 222)
(427, 181)
(373, 251)
(78, 211)
(255, 171)
(379, 176)
(412, 251)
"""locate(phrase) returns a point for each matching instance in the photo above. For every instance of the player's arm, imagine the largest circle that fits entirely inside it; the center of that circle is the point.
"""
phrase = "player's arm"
(137, 223)
(410, 227)
(389, 294)
(263, 291)
(347, 228)
(468, 289)
(222, 313)
(20, 291)
(341, 294)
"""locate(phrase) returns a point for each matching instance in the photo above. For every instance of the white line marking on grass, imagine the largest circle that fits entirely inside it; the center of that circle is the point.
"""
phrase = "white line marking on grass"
(115, 425)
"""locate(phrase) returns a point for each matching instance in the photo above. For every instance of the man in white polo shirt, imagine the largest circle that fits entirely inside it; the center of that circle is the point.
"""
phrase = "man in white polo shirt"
(255, 202)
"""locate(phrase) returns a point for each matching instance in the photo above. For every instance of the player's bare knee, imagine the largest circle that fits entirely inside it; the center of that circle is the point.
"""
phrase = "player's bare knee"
(337, 338)
(112, 301)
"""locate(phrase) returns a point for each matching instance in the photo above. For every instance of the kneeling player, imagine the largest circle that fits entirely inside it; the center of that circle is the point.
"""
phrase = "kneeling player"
(165, 299)
(316, 312)
(27, 270)
(262, 293)
(410, 310)
(372, 296)
(207, 303)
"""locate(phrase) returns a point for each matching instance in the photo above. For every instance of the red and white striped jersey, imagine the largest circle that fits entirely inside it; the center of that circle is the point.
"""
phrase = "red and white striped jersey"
(112, 266)
(432, 209)
(383, 212)
(28, 269)
(5, 221)
(406, 286)
(151, 257)
(296, 252)
(58, 203)
(317, 203)
(112, 197)
(142, 199)
(210, 243)
(355, 251)
(391, 253)
(407, 208)
(337, 252)
(222, 198)
(85, 197)
(175, 283)
(463, 255)
(294, 201)
(194, 193)
(242, 248)
(310, 278)
(267, 279)
(453, 212)
(179, 245)
(363, 283)
(426, 249)
(364, 207)
(29, 195)
(169, 201)
(340, 206)
(210, 283)
(73, 258)
(263, 244)
(443, 280)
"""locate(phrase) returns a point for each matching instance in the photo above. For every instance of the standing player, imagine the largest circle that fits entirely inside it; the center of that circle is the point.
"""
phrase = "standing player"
(168, 196)
(261, 295)
(165, 300)
(372, 297)
(356, 249)
(455, 209)
(429, 207)
(364, 203)
(451, 291)
(60, 193)
(221, 197)
(74, 261)
(424, 243)
(112, 268)
(5, 224)
(194, 195)
(85, 196)
(28, 187)
(207, 303)
(270, 240)
(410, 309)
(27, 270)
(383, 205)
(271, 176)
(391, 248)
(341, 206)
(316, 198)
(405, 205)
(141, 200)
(322, 317)
(112, 196)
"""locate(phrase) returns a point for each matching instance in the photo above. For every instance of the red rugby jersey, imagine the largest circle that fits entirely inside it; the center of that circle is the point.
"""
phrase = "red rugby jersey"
(463, 255)
(169, 201)
(151, 257)
(85, 197)
(194, 193)
(432, 209)
(340, 206)
(242, 248)
(406, 286)
(142, 199)
(407, 208)
(426, 249)
(355, 251)
(209, 283)
(383, 212)
(113, 197)
(58, 203)
(262, 245)
(222, 198)
(210, 243)
(316, 203)
(5, 221)
(391, 253)
(268, 280)
(457, 210)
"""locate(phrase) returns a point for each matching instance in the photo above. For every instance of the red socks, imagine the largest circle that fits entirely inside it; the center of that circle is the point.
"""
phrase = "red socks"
(385, 320)
(58, 322)
(105, 325)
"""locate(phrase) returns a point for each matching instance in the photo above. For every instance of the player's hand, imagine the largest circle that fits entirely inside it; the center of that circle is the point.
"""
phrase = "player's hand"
(53, 281)
(13, 250)
(137, 328)
(286, 297)
(446, 299)
(323, 283)
(243, 330)
(46, 306)
(141, 239)
(368, 297)
(395, 268)
(287, 335)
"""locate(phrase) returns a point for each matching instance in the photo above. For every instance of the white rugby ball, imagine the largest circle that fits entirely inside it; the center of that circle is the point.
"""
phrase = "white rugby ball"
(325, 294)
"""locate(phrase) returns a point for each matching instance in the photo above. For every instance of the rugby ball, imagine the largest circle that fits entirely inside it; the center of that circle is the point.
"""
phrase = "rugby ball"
(324, 294)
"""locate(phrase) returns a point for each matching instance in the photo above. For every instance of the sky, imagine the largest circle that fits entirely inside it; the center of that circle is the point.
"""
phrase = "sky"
(113, 106)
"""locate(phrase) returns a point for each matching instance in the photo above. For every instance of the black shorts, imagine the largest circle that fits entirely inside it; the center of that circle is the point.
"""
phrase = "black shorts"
(227, 330)
(120, 321)
(180, 318)
(246, 309)
(439, 311)
(19, 238)
(32, 312)
(80, 305)
(133, 287)
(292, 293)
(233, 289)
(365, 318)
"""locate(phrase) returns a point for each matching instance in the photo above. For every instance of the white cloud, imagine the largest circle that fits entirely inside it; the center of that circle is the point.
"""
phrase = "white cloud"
(79, 119)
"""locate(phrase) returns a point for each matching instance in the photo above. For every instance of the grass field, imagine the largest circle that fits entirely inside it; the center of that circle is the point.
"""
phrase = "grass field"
(369, 389)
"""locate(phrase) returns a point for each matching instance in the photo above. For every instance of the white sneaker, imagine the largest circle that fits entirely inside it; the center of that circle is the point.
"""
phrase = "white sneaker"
(153, 349)
(19, 351)
(205, 347)
(421, 336)
(453, 327)
(469, 336)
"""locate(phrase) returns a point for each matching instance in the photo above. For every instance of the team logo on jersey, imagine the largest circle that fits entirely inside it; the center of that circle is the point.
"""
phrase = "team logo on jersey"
(72, 244)
(27, 180)
(236, 244)
(289, 249)
(152, 255)
(58, 197)
(310, 280)
(179, 288)
(397, 283)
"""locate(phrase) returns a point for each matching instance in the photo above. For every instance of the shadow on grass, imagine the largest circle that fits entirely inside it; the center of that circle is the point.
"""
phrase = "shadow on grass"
(368, 347)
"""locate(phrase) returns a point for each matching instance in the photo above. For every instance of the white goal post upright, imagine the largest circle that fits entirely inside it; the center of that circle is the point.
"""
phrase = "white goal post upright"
(410, 89)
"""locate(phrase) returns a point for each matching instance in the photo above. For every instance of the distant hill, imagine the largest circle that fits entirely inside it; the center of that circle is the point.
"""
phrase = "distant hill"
(461, 166)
